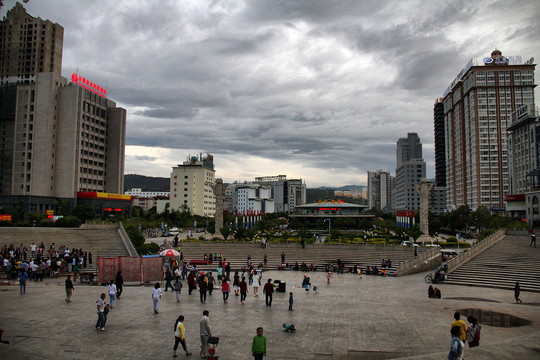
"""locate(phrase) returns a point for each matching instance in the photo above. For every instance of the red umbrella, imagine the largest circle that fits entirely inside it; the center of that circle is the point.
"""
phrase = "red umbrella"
(169, 252)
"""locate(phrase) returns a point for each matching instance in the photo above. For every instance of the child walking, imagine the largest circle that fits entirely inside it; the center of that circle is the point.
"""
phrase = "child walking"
(291, 301)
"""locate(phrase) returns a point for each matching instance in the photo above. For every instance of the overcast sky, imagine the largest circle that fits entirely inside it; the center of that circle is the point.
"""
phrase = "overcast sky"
(318, 90)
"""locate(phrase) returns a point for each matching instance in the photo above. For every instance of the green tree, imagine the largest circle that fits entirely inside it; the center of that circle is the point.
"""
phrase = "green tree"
(240, 233)
(135, 235)
(481, 217)
(250, 233)
(84, 212)
(225, 232)
(335, 235)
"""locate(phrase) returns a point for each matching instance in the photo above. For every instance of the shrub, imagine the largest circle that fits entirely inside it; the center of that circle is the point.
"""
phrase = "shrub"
(135, 235)
(68, 221)
(147, 249)
(452, 239)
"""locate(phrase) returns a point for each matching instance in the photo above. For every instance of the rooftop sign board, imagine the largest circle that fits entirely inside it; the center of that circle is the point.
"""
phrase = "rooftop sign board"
(88, 85)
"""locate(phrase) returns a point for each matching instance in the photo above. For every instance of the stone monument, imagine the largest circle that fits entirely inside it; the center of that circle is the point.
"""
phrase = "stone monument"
(218, 219)
(423, 190)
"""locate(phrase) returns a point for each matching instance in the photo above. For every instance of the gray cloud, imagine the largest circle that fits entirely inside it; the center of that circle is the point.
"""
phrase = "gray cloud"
(306, 84)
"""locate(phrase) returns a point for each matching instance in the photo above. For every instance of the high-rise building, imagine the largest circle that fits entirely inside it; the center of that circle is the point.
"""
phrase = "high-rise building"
(440, 160)
(524, 165)
(287, 194)
(28, 46)
(192, 186)
(57, 138)
(477, 113)
(380, 190)
(411, 168)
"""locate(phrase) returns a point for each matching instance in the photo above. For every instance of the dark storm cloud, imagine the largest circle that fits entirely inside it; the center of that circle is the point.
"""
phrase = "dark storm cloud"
(321, 89)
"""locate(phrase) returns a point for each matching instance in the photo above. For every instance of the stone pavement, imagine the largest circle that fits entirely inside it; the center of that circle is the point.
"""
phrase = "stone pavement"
(352, 318)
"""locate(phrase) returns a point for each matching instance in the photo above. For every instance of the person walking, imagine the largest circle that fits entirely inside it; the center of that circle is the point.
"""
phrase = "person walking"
(473, 331)
(243, 290)
(220, 273)
(533, 239)
(22, 281)
(283, 258)
(168, 280)
(112, 293)
(225, 289)
(256, 283)
(100, 324)
(69, 289)
(456, 345)
(462, 326)
(211, 281)
(177, 288)
(205, 333)
(516, 292)
(179, 334)
(236, 282)
(156, 297)
(119, 281)
(191, 282)
(228, 270)
(203, 287)
(291, 301)
(268, 290)
(258, 345)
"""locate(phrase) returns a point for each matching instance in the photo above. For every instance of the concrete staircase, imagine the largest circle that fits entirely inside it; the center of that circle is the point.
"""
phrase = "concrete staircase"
(320, 255)
(501, 266)
(101, 240)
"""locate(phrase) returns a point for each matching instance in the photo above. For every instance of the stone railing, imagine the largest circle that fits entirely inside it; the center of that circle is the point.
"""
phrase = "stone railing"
(477, 249)
(427, 260)
(127, 242)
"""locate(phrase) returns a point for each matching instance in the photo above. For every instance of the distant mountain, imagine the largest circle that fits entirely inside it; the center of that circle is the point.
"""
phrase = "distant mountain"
(146, 183)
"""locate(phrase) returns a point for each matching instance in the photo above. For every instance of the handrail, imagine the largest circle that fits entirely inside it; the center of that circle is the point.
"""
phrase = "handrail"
(127, 241)
(459, 260)
(418, 263)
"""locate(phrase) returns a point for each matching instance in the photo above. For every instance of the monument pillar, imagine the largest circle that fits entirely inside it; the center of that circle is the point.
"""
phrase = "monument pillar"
(218, 218)
(423, 190)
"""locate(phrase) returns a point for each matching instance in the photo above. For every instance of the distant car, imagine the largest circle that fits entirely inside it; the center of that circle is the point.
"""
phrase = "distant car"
(448, 254)
(409, 243)
(174, 231)
(467, 236)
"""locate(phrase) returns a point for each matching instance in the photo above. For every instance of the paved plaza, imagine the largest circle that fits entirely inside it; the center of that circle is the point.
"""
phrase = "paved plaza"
(369, 318)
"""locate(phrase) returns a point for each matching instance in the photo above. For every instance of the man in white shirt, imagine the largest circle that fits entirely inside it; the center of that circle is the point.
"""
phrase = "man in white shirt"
(33, 248)
(100, 308)
(205, 333)
(33, 267)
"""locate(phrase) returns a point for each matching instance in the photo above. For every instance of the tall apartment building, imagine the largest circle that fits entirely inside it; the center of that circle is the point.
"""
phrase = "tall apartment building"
(524, 165)
(255, 197)
(193, 184)
(477, 113)
(28, 45)
(380, 188)
(411, 168)
(57, 138)
(440, 159)
(287, 194)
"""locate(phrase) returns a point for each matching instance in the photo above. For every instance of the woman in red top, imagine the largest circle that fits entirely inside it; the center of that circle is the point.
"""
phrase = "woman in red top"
(225, 289)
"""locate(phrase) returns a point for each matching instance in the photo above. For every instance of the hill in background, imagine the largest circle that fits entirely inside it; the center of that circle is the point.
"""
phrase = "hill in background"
(146, 183)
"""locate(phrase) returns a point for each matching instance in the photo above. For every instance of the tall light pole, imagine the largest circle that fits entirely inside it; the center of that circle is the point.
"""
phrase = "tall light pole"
(329, 225)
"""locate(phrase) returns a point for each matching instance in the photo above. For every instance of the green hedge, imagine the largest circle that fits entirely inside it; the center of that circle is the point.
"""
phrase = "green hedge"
(148, 249)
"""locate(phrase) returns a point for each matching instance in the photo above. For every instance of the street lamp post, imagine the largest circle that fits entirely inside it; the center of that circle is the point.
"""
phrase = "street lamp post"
(329, 226)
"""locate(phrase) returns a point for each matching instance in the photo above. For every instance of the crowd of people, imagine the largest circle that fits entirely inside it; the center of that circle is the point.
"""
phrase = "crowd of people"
(34, 262)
